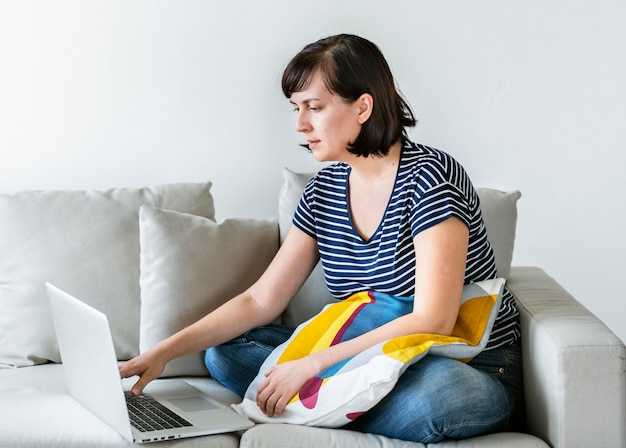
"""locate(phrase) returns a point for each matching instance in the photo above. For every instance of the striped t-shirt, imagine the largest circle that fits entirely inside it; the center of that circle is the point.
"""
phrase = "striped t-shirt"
(430, 187)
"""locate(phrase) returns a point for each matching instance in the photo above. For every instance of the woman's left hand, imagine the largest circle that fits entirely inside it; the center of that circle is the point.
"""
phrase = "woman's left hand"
(281, 384)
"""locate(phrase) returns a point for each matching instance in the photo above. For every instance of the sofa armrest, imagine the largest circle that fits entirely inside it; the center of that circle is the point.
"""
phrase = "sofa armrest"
(574, 366)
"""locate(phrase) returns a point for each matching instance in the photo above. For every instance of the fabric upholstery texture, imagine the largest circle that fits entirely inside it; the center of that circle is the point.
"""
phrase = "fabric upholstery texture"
(85, 242)
(573, 366)
(283, 436)
(189, 266)
(37, 411)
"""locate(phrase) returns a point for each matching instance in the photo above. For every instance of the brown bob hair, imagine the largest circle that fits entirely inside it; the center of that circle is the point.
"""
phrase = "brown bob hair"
(351, 66)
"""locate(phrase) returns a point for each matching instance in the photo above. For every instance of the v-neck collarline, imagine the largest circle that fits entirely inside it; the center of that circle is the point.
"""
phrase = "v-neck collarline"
(348, 210)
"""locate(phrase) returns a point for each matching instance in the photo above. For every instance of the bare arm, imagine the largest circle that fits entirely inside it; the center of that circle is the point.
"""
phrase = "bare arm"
(439, 275)
(259, 305)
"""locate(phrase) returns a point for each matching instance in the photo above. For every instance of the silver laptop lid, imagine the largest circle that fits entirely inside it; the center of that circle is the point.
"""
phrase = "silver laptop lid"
(89, 359)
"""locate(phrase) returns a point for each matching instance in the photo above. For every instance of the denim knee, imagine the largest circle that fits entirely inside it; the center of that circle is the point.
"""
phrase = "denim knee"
(236, 363)
(438, 398)
(222, 370)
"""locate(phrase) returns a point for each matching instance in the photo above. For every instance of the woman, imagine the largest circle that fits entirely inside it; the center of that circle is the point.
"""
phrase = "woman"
(389, 215)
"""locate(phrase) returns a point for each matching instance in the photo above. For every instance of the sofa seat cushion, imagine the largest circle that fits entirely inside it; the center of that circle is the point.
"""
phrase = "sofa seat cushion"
(85, 242)
(283, 436)
(37, 411)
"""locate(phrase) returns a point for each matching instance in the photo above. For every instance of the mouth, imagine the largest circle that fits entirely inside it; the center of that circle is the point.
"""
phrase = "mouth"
(312, 144)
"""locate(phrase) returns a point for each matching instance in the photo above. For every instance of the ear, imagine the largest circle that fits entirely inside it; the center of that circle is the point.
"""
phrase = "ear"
(365, 105)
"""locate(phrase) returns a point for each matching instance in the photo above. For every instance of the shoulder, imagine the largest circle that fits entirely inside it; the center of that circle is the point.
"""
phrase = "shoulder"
(330, 178)
(428, 158)
(333, 172)
(429, 167)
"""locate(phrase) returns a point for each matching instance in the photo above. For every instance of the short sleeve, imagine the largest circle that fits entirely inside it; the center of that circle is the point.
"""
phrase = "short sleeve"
(303, 218)
(438, 203)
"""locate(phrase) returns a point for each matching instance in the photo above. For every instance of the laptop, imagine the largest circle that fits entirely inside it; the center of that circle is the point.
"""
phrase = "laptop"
(93, 379)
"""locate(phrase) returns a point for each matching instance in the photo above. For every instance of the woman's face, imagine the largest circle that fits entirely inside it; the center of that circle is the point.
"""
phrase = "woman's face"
(327, 122)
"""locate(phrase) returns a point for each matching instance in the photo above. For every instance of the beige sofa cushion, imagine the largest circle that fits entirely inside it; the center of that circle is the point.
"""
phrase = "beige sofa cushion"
(37, 411)
(499, 212)
(191, 265)
(283, 435)
(85, 242)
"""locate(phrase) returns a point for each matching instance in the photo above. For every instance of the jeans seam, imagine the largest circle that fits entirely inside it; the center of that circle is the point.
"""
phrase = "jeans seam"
(264, 347)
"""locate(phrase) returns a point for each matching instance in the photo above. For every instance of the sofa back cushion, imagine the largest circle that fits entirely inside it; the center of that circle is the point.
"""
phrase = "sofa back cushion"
(191, 265)
(499, 213)
(85, 242)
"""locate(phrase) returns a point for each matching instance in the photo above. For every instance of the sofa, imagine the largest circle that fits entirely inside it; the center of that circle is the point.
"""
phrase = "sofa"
(153, 260)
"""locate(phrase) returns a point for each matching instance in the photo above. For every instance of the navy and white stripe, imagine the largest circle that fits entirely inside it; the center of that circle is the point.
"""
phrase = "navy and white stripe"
(430, 187)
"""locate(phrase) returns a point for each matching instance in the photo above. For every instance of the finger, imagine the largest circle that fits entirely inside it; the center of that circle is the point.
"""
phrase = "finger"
(270, 371)
(264, 399)
(281, 404)
(144, 379)
(261, 396)
(126, 370)
(139, 386)
(261, 390)
(270, 405)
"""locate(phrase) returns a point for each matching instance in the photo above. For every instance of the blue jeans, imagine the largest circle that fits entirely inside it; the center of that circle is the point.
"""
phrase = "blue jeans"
(435, 398)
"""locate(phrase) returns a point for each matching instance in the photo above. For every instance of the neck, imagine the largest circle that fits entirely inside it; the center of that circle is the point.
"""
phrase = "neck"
(373, 166)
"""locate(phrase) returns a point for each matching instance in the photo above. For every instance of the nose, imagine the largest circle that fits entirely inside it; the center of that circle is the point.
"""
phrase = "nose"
(302, 124)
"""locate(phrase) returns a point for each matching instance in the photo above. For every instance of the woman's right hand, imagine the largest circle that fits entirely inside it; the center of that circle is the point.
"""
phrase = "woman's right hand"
(147, 366)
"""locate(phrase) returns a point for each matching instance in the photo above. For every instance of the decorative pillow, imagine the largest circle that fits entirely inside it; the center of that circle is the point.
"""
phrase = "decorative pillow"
(500, 215)
(499, 212)
(191, 265)
(349, 388)
(86, 242)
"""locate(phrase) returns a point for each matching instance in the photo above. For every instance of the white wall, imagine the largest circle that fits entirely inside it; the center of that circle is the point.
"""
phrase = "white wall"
(527, 95)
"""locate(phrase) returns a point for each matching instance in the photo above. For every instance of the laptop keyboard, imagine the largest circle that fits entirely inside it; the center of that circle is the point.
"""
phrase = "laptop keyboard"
(147, 414)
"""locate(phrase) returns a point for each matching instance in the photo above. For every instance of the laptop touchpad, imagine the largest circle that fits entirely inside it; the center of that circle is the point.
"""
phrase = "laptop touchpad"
(192, 404)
